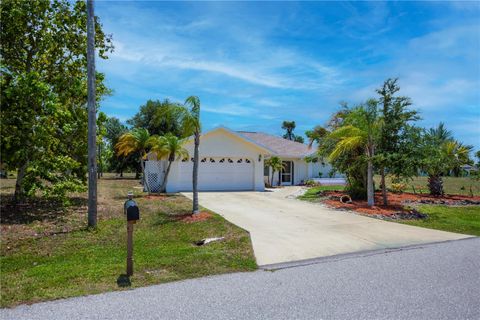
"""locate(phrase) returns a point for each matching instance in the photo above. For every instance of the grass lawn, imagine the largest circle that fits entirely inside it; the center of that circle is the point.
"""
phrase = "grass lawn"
(312, 193)
(451, 185)
(460, 219)
(465, 219)
(47, 255)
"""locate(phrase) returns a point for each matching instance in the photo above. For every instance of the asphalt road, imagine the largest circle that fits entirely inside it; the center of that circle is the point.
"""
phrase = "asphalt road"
(436, 281)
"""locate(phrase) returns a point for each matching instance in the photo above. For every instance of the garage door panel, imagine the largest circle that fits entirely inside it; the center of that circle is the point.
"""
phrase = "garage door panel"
(216, 175)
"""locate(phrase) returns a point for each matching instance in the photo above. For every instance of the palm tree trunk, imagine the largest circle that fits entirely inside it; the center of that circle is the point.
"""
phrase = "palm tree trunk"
(144, 178)
(195, 173)
(271, 181)
(384, 187)
(435, 185)
(165, 178)
(142, 166)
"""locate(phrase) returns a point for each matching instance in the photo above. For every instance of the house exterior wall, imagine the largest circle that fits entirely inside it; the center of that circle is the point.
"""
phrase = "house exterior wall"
(303, 171)
(218, 144)
(300, 171)
(314, 169)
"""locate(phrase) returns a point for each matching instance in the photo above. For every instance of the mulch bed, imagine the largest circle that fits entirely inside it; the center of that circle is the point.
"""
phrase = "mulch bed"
(397, 202)
(201, 216)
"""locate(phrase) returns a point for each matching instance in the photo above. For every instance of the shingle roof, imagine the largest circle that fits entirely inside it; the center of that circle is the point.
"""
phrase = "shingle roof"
(282, 147)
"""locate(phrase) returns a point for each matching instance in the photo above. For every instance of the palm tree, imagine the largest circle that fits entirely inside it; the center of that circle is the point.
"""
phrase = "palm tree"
(289, 126)
(315, 135)
(442, 154)
(188, 116)
(361, 129)
(133, 142)
(168, 146)
(276, 164)
(191, 123)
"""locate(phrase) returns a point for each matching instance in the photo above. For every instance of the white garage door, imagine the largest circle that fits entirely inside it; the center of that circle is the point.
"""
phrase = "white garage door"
(216, 174)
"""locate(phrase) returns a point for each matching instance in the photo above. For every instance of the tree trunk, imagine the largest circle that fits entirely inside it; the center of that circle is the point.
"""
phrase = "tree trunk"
(271, 181)
(165, 178)
(144, 179)
(384, 187)
(92, 116)
(195, 173)
(370, 191)
(370, 188)
(19, 195)
(435, 185)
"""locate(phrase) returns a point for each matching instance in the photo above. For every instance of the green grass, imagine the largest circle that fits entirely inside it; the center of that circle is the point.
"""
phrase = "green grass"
(80, 262)
(312, 193)
(451, 185)
(464, 219)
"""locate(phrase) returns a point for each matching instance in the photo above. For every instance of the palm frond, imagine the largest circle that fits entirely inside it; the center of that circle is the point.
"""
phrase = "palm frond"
(346, 131)
(346, 145)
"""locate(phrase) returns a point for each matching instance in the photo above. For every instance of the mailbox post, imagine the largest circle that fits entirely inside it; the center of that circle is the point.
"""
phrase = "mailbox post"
(133, 214)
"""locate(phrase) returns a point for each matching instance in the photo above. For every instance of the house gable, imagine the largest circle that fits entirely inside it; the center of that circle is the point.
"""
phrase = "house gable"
(222, 142)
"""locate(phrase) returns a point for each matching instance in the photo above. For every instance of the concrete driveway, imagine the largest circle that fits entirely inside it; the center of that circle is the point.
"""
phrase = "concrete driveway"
(284, 229)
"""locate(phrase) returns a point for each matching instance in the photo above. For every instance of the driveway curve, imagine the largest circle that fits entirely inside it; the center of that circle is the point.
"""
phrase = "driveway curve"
(284, 229)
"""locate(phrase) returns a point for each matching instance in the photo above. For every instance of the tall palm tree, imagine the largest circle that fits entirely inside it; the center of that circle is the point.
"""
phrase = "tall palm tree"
(276, 164)
(170, 147)
(132, 142)
(361, 129)
(188, 116)
(191, 123)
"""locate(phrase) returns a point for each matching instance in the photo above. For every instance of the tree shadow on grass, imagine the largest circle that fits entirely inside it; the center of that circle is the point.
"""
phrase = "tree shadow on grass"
(35, 209)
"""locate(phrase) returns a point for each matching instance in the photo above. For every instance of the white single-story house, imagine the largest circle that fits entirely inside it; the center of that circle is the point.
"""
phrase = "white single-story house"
(234, 161)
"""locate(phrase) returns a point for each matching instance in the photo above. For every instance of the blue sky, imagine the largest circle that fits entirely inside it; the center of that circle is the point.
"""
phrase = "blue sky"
(255, 64)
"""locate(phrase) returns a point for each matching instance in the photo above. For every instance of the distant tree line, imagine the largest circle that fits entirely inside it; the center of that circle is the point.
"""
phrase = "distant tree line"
(152, 117)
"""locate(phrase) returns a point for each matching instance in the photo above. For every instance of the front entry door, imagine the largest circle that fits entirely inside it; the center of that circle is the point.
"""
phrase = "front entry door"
(287, 173)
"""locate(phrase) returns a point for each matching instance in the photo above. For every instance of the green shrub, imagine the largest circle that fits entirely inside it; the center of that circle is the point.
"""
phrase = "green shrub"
(356, 191)
(398, 187)
(311, 183)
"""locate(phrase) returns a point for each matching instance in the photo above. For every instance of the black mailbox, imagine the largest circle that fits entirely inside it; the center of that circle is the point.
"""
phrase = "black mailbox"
(131, 210)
